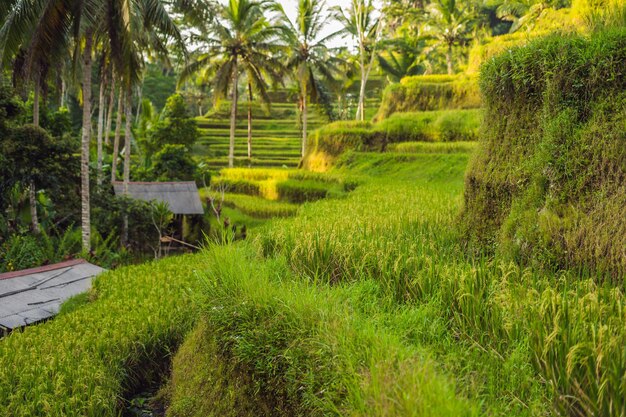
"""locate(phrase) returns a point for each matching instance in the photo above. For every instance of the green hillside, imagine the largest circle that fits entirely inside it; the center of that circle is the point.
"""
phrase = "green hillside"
(276, 132)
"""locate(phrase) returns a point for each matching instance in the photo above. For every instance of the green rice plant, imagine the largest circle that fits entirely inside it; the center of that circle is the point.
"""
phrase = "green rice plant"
(424, 147)
(304, 350)
(431, 126)
(254, 174)
(299, 192)
(260, 207)
(239, 186)
(84, 361)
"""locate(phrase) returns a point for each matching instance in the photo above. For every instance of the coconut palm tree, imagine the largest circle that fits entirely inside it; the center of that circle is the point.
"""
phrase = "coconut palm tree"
(361, 23)
(39, 45)
(50, 27)
(450, 22)
(403, 56)
(309, 59)
(241, 40)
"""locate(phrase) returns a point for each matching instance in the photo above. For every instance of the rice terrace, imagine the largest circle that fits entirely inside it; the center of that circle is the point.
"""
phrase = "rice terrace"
(312, 208)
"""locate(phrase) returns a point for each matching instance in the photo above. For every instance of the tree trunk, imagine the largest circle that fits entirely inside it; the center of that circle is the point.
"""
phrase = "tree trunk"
(127, 141)
(249, 122)
(361, 105)
(449, 59)
(118, 129)
(103, 81)
(32, 196)
(127, 146)
(36, 101)
(62, 102)
(84, 155)
(107, 131)
(233, 118)
(305, 118)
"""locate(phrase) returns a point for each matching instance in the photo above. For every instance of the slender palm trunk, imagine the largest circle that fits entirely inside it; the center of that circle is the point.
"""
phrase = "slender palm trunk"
(233, 117)
(449, 59)
(249, 121)
(127, 146)
(107, 131)
(32, 196)
(62, 102)
(360, 107)
(118, 129)
(36, 102)
(103, 82)
(127, 141)
(305, 118)
(84, 155)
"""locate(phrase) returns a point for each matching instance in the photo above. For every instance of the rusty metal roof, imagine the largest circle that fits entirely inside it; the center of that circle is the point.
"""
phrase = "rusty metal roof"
(181, 197)
(35, 294)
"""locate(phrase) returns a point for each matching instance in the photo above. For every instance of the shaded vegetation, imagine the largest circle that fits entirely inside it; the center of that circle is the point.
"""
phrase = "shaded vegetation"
(547, 184)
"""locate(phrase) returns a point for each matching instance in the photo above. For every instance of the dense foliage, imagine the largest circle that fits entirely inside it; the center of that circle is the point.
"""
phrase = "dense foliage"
(547, 183)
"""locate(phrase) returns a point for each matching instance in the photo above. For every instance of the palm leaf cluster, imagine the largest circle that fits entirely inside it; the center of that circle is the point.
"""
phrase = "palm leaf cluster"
(44, 34)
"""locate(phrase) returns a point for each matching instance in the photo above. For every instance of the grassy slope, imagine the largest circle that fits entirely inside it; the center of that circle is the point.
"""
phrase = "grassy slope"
(276, 134)
(396, 239)
(365, 305)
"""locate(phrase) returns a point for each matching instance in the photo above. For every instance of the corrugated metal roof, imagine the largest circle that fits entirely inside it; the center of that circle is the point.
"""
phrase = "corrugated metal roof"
(182, 197)
(36, 294)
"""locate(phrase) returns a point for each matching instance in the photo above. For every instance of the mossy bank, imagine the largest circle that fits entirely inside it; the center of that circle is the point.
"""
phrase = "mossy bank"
(548, 182)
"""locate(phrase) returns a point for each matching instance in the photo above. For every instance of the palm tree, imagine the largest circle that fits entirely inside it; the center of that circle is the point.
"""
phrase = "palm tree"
(49, 27)
(520, 12)
(450, 24)
(40, 45)
(309, 58)
(241, 40)
(403, 57)
(362, 25)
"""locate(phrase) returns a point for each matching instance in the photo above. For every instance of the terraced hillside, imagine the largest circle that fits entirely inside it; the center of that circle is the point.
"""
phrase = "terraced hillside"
(276, 134)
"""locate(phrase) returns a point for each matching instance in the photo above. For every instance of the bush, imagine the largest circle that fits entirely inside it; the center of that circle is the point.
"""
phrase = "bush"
(547, 182)
(173, 163)
(176, 127)
(430, 92)
(21, 252)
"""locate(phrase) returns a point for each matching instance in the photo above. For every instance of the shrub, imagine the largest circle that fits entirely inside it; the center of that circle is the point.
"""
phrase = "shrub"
(21, 252)
(173, 163)
(176, 127)
(430, 92)
(547, 182)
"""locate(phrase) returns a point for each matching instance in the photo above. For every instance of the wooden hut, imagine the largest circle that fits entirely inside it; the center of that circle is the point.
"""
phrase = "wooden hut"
(181, 197)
